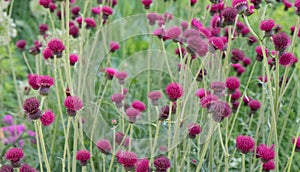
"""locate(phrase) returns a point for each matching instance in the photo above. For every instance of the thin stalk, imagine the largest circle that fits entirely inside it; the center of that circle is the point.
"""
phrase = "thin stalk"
(75, 125)
(243, 163)
(43, 146)
(166, 59)
(26, 61)
(38, 146)
(155, 140)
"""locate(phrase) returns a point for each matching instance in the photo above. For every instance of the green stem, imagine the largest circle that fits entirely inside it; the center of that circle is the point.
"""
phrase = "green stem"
(243, 163)
(43, 146)
(75, 125)
(26, 61)
(38, 145)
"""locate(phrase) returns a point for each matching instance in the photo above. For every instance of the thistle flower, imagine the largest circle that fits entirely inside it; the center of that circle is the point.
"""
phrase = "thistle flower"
(229, 15)
(197, 45)
(104, 146)
(117, 99)
(173, 33)
(142, 166)
(32, 81)
(47, 53)
(21, 44)
(196, 24)
(7, 168)
(8, 120)
(114, 46)
(265, 153)
(132, 114)
(245, 144)
(259, 53)
(73, 59)
(152, 18)
(43, 29)
(246, 61)
(251, 40)
(83, 156)
(194, 129)
(36, 48)
(27, 168)
(74, 31)
(236, 95)
(193, 2)
(267, 26)
(162, 164)
(217, 43)
(110, 72)
(174, 91)
(154, 96)
(159, 32)
(217, 88)
(268, 166)
(56, 46)
(73, 104)
(14, 155)
(45, 82)
(121, 76)
(138, 105)
(52, 7)
(208, 100)
(90, 23)
(240, 5)
(127, 159)
(147, 3)
(220, 110)
(47, 118)
(45, 3)
(286, 59)
(297, 5)
(232, 83)
(200, 93)
(106, 12)
(281, 41)
(75, 11)
(237, 55)
(31, 107)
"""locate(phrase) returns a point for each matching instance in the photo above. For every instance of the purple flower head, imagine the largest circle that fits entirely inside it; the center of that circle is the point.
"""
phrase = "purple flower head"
(14, 155)
(229, 15)
(73, 104)
(200, 93)
(31, 107)
(237, 55)
(106, 11)
(217, 43)
(43, 29)
(73, 59)
(268, 166)
(139, 105)
(240, 5)
(96, 10)
(142, 165)
(74, 31)
(104, 146)
(219, 110)
(218, 87)
(194, 129)
(117, 99)
(162, 164)
(114, 46)
(45, 82)
(21, 44)
(173, 33)
(27, 168)
(197, 45)
(8, 119)
(45, 3)
(132, 114)
(232, 83)
(281, 41)
(127, 159)
(110, 72)
(7, 168)
(265, 153)
(286, 59)
(56, 46)
(245, 144)
(47, 118)
(83, 156)
(47, 53)
(174, 91)
(147, 3)
(155, 96)
(121, 76)
(90, 23)
(196, 24)
(208, 100)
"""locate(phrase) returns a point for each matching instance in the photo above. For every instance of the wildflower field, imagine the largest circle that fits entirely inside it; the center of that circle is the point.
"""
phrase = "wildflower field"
(149, 85)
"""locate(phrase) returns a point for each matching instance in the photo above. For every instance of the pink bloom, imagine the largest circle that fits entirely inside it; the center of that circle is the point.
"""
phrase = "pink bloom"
(47, 53)
(31, 107)
(208, 100)
(162, 163)
(96, 10)
(73, 59)
(281, 41)
(229, 15)
(194, 129)
(127, 159)
(220, 110)
(267, 25)
(240, 5)
(142, 166)
(118, 98)
(47, 118)
(173, 33)
(110, 72)
(132, 114)
(139, 105)
(286, 59)
(73, 104)
(14, 155)
(154, 96)
(56, 46)
(200, 93)
(147, 3)
(45, 82)
(32, 81)
(104, 146)
(265, 153)
(232, 83)
(174, 91)
(90, 23)
(268, 166)
(21, 44)
(45, 3)
(83, 156)
(217, 43)
(114, 46)
(245, 144)
(107, 11)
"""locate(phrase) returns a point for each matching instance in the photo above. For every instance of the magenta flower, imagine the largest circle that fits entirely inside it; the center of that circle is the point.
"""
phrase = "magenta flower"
(96, 10)
(174, 91)
(232, 83)
(245, 144)
(117, 99)
(200, 93)
(47, 118)
(259, 53)
(297, 5)
(197, 45)
(106, 12)
(73, 104)
(155, 96)
(194, 129)
(121, 76)
(104, 146)
(196, 24)
(236, 95)
(139, 105)
(47, 53)
(43, 29)
(237, 55)
(83, 156)
(14, 155)
(56, 46)
(219, 110)
(208, 100)
(90, 23)
(286, 59)
(229, 15)
(147, 3)
(142, 165)
(240, 5)
(45, 3)
(31, 107)
(127, 159)
(75, 11)
(152, 18)
(45, 82)
(8, 119)
(173, 33)
(217, 43)
(132, 114)
(7, 168)
(267, 26)
(110, 72)
(27, 168)
(268, 166)
(114, 46)
(52, 7)
(281, 41)
(162, 164)
(218, 88)
(33, 81)
(193, 2)
(73, 59)
(265, 153)
(21, 44)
